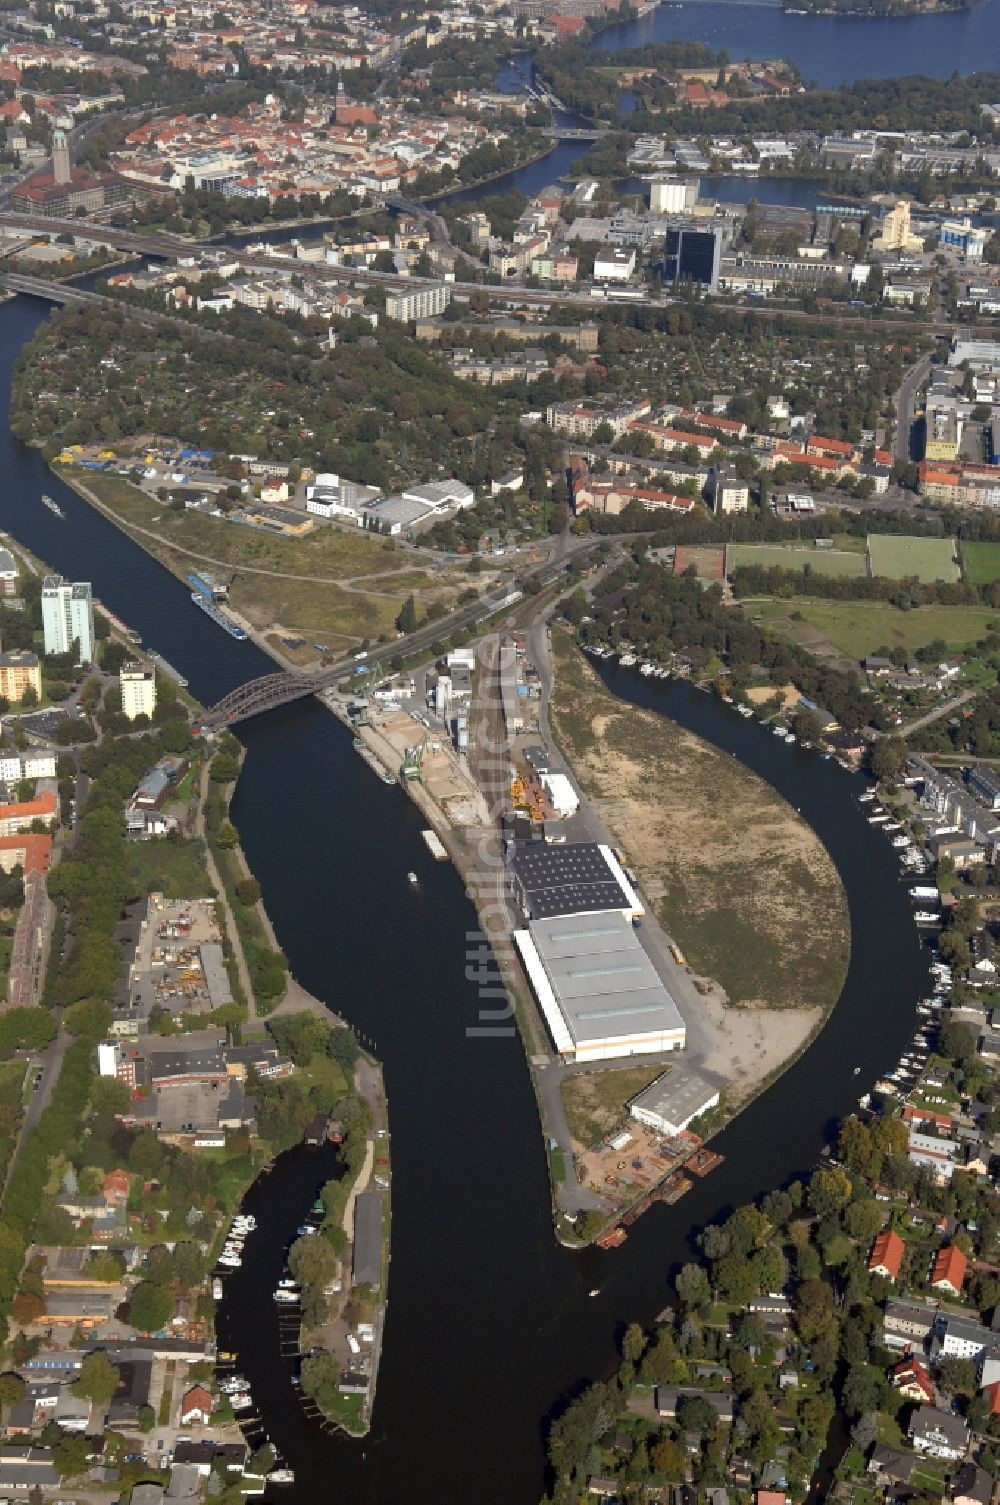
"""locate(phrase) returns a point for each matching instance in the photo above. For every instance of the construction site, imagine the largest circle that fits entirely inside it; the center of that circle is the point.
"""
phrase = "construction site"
(637, 1166)
(178, 961)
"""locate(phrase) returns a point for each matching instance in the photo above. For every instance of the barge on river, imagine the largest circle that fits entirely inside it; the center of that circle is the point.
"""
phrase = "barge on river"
(220, 617)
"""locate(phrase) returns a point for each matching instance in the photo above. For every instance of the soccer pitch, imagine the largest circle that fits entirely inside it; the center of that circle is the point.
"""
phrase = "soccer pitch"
(928, 559)
(768, 556)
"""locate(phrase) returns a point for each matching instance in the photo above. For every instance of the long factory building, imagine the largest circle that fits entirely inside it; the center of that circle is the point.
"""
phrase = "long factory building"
(600, 994)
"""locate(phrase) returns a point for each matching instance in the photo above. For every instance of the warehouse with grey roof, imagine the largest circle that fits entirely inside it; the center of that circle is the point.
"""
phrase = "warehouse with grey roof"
(601, 995)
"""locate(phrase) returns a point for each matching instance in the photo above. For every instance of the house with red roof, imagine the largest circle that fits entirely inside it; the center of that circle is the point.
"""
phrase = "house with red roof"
(116, 1188)
(912, 1380)
(948, 1271)
(196, 1405)
(838, 448)
(886, 1258)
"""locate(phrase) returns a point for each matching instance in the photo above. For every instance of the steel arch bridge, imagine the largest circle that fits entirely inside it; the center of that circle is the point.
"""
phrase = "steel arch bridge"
(266, 694)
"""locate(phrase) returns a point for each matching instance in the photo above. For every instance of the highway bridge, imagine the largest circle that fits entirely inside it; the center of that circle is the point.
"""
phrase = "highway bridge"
(52, 292)
(65, 293)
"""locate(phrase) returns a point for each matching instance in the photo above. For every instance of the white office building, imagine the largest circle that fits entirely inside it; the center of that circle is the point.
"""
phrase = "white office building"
(331, 495)
(138, 687)
(68, 617)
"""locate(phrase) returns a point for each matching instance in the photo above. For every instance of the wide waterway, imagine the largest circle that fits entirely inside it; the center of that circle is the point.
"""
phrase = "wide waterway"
(829, 50)
(490, 1327)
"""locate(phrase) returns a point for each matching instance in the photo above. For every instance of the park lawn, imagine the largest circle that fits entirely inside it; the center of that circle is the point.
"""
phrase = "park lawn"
(850, 541)
(172, 868)
(981, 562)
(898, 558)
(345, 1409)
(328, 1074)
(791, 557)
(859, 628)
(595, 1100)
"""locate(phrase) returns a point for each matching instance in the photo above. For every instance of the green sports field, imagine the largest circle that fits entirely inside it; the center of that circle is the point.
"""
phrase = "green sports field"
(981, 562)
(928, 559)
(767, 556)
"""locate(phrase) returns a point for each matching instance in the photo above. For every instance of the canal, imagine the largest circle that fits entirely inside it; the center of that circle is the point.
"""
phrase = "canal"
(490, 1328)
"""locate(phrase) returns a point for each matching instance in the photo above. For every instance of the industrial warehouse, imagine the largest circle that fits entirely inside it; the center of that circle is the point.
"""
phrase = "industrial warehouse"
(579, 878)
(599, 991)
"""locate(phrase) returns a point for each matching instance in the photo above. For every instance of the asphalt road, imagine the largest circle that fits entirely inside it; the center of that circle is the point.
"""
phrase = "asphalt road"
(905, 402)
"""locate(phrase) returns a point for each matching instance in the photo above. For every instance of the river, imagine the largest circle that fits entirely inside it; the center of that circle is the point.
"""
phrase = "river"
(489, 1323)
(828, 50)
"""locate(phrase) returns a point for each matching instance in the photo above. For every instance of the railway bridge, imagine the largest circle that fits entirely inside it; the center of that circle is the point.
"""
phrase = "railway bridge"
(268, 693)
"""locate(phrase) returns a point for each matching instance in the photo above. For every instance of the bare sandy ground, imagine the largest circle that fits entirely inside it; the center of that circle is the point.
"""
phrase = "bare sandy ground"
(735, 876)
(752, 1043)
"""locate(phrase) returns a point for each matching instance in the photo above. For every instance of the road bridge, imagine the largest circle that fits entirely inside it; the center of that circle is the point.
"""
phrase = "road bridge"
(52, 292)
(574, 133)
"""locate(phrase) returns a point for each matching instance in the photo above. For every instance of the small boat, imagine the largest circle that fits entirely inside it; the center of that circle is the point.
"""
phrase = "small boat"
(281, 1476)
(412, 877)
(595, 1292)
(857, 1071)
(53, 506)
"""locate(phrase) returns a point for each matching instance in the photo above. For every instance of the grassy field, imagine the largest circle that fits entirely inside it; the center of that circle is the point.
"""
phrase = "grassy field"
(313, 609)
(929, 559)
(701, 829)
(174, 869)
(327, 554)
(595, 1101)
(857, 628)
(789, 557)
(981, 562)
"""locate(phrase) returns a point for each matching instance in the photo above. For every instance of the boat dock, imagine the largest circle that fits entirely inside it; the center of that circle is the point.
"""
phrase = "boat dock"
(168, 669)
(703, 1161)
(367, 756)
